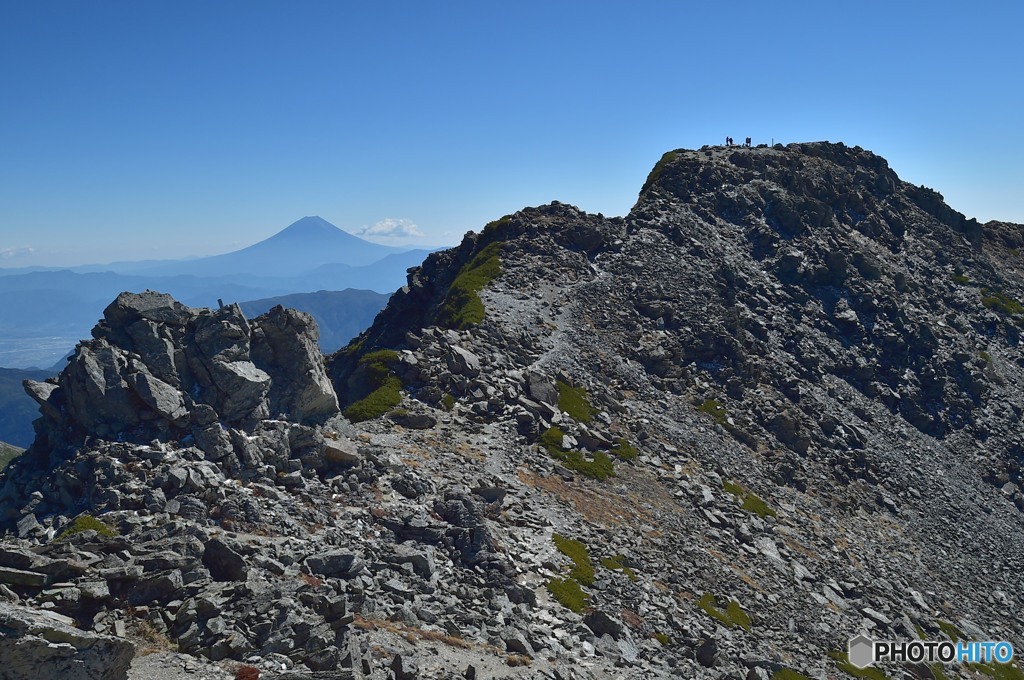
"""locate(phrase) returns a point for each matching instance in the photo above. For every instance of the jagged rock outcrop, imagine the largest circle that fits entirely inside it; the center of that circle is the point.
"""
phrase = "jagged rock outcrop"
(156, 368)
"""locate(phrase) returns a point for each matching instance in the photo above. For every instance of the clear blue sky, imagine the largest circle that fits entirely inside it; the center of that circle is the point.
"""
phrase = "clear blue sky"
(132, 130)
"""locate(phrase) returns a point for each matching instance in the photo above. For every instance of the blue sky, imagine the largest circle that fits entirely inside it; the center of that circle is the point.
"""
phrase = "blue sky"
(136, 130)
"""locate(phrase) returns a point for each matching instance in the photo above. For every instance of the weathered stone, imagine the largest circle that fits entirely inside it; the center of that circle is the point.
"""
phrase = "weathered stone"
(18, 577)
(39, 645)
(335, 563)
(223, 562)
(284, 344)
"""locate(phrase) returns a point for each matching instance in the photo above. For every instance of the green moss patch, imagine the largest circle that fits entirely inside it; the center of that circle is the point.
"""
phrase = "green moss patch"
(843, 664)
(731, 617)
(618, 563)
(575, 402)
(376, 403)
(583, 570)
(714, 409)
(568, 593)
(659, 168)
(551, 439)
(1004, 304)
(662, 638)
(383, 390)
(750, 502)
(495, 225)
(788, 674)
(448, 401)
(86, 523)
(951, 631)
(961, 280)
(624, 450)
(600, 467)
(462, 306)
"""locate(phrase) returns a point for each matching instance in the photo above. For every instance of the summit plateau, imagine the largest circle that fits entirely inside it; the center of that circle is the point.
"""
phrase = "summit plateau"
(775, 406)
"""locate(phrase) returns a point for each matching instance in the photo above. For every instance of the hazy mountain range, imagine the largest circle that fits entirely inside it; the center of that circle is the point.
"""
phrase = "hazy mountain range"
(46, 311)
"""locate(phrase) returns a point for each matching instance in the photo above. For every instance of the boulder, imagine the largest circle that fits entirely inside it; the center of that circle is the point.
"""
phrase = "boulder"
(284, 344)
(336, 564)
(38, 644)
(223, 562)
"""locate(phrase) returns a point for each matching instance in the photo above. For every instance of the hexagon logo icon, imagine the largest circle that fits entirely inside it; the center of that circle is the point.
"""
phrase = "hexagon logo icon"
(859, 651)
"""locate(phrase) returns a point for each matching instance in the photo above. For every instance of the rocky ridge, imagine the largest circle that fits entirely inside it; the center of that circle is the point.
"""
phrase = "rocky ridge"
(775, 405)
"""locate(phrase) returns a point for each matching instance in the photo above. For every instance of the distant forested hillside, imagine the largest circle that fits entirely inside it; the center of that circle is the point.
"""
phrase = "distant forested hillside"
(341, 315)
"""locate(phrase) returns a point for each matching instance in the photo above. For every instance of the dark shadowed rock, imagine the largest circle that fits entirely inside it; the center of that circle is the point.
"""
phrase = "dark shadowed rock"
(336, 563)
(223, 562)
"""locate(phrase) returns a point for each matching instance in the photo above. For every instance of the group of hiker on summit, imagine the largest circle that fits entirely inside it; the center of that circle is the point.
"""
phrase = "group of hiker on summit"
(729, 142)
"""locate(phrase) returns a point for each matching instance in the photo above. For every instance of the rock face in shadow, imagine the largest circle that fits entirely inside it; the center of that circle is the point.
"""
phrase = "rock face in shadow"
(37, 645)
(158, 369)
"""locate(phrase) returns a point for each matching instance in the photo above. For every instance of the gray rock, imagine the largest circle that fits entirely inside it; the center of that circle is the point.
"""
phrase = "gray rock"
(223, 562)
(284, 344)
(39, 644)
(336, 563)
(603, 624)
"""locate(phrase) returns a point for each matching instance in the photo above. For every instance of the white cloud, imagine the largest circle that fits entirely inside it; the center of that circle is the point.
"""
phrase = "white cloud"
(392, 228)
(11, 253)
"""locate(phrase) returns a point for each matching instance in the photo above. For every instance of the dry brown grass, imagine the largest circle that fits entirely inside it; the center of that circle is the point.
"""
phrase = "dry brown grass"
(742, 575)
(632, 619)
(153, 641)
(310, 580)
(518, 660)
(411, 634)
(603, 509)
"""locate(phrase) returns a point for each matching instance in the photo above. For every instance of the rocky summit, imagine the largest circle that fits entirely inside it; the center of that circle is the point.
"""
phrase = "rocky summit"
(775, 406)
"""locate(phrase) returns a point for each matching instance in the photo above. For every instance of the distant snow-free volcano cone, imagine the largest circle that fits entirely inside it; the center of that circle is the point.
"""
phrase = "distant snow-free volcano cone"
(299, 247)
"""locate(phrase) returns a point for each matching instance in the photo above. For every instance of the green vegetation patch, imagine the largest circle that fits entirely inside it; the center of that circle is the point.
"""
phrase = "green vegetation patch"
(618, 563)
(568, 593)
(376, 403)
(448, 401)
(624, 450)
(1004, 304)
(495, 225)
(750, 502)
(951, 631)
(843, 664)
(385, 390)
(575, 402)
(662, 638)
(788, 674)
(600, 467)
(86, 523)
(551, 439)
(714, 409)
(731, 617)
(463, 307)
(961, 280)
(583, 570)
(659, 168)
